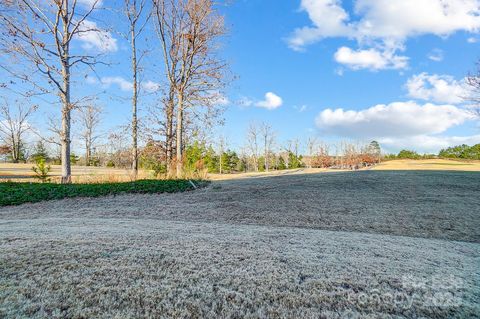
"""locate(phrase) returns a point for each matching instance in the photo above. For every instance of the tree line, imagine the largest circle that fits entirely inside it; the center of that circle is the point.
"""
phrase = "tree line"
(463, 151)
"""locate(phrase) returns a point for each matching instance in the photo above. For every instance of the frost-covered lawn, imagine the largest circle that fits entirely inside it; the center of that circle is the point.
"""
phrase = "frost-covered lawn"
(400, 244)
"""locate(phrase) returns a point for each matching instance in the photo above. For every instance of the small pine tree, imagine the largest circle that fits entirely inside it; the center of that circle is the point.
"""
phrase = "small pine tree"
(281, 164)
(41, 170)
(40, 152)
(73, 159)
(294, 161)
(211, 160)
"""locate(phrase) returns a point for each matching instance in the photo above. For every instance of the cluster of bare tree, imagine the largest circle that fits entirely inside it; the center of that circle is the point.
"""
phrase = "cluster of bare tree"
(188, 32)
(260, 144)
(346, 156)
(473, 81)
(262, 153)
(37, 36)
(13, 126)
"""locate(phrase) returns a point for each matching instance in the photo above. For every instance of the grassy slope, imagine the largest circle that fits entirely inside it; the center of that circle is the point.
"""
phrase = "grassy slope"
(442, 205)
(19, 193)
(284, 247)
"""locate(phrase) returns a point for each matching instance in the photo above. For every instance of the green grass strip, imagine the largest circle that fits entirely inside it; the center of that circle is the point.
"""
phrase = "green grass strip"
(18, 193)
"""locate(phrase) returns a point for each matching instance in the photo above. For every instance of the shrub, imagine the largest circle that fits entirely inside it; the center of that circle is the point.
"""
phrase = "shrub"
(461, 151)
(19, 193)
(41, 170)
(407, 154)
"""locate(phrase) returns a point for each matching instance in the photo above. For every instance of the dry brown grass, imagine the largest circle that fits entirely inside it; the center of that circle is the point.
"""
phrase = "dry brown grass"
(431, 164)
(80, 174)
(223, 177)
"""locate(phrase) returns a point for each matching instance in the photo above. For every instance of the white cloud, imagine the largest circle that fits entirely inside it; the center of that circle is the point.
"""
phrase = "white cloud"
(436, 55)
(385, 24)
(271, 102)
(400, 19)
(386, 19)
(436, 88)
(328, 18)
(472, 40)
(301, 108)
(94, 38)
(124, 85)
(339, 71)
(150, 86)
(371, 59)
(219, 99)
(426, 143)
(245, 101)
(90, 3)
(399, 119)
(91, 79)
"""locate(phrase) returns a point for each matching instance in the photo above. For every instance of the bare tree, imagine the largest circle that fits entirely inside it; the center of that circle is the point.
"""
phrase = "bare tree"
(138, 16)
(312, 144)
(41, 33)
(268, 139)
(293, 146)
(13, 125)
(473, 81)
(321, 156)
(252, 143)
(90, 117)
(188, 31)
(222, 142)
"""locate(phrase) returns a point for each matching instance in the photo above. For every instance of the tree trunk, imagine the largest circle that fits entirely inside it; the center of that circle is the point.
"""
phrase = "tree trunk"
(134, 104)
(66, 107)
(266, 152)
(169, 130)
(15, 148)
(179, 137)
(87, 153)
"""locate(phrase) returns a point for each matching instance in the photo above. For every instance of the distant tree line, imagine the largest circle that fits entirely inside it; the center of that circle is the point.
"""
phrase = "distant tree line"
(455, 152)
(462, 152)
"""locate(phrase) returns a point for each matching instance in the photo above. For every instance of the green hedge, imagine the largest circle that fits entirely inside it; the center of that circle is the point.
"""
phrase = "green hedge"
(19, 193)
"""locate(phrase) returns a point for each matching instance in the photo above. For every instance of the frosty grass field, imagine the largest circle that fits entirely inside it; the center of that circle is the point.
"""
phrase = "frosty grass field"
(347, 244)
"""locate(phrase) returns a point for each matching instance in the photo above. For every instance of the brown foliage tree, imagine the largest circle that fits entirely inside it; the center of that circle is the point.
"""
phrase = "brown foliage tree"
(189, 31)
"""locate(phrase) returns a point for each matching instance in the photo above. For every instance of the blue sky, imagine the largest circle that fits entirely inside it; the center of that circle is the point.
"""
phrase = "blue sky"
(310, 80)
(389, 70)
